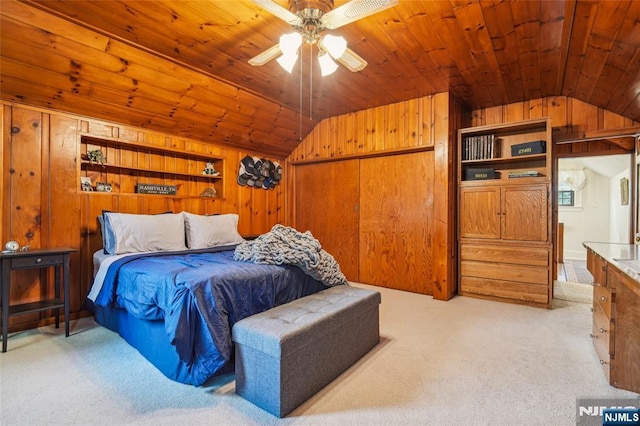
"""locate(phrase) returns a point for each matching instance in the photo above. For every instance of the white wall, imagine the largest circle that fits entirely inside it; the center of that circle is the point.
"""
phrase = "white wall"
(589, 220)
(620, 215)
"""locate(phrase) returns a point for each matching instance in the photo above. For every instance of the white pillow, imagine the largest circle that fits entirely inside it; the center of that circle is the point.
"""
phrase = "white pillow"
(132, 233)
(211, 231)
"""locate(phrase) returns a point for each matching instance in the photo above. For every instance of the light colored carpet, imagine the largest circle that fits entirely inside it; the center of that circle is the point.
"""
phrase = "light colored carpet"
(462, 362)
(573, 292)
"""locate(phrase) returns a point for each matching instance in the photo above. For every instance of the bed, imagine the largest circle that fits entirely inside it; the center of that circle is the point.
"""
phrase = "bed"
(176, 298)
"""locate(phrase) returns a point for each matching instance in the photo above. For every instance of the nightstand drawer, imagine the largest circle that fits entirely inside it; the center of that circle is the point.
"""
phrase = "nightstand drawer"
(37, 261)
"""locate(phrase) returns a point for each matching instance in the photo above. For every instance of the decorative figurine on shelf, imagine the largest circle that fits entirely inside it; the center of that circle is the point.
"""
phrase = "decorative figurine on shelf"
(209, 170)
(209, 193)
(96, 156)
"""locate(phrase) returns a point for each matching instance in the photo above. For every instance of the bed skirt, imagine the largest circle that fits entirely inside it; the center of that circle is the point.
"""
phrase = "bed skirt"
(150, 339)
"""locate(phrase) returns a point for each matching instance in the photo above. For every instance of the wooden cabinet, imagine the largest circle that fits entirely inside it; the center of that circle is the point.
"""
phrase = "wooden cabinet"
(504, 218)
(505, 212)
(616, 322)
(129, 164)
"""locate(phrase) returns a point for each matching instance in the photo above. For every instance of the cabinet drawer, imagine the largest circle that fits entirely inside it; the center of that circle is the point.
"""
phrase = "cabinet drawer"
(37, 261)
(602, 350)
(512, 255)
(505, 272)
(602, 297)
(504, 289)
(597, 266)
(602, 332)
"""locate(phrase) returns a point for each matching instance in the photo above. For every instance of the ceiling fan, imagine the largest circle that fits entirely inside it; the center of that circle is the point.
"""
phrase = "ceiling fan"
(310, 19)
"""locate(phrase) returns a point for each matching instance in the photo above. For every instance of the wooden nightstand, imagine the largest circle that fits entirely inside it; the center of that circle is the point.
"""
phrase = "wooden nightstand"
(57, 258)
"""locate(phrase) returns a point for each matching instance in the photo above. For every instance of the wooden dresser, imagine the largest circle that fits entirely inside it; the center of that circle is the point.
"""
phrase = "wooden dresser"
(504, 213)
(616, 311)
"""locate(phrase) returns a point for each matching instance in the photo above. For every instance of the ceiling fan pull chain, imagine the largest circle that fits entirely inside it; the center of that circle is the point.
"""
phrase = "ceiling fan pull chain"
(310, 80)
(301, 62)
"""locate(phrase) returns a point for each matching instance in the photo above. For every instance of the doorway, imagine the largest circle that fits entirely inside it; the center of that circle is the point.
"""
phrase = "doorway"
(593, 205)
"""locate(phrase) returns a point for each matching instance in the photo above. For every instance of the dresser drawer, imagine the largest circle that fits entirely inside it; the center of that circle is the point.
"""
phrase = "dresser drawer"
(597, 266)
(603, 338)
(602, 297)
(505, 272)
(513, 255)
(37, 261)
(601, 344)
(504, 289)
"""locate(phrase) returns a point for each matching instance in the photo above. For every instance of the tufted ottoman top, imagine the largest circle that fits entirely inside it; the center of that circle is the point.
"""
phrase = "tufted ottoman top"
(283, 330)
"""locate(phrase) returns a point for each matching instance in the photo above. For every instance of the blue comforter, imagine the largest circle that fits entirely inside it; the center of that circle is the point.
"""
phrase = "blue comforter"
(199, 296)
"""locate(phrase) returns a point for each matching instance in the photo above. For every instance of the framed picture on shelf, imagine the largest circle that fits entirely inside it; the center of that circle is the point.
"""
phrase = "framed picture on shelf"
(85, 183)
(103, 187)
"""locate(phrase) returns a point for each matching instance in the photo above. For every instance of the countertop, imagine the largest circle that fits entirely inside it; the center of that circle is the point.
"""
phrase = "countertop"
(625, 257)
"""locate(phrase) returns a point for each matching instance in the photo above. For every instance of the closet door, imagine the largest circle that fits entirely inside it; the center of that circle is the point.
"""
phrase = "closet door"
(396, 208)
(326, 203)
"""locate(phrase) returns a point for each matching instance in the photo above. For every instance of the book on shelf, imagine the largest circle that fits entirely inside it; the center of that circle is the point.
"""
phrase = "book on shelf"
(524, 173)
(479, 173)
(480, 147)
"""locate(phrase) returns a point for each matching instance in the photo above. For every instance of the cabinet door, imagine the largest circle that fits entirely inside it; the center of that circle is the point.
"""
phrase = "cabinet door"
(480, 212)
(524, 213)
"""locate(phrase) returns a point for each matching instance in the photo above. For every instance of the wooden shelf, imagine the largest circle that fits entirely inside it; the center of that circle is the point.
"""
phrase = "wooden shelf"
(90, 164)
(137, 194)
(43, 305)
(130, 164)
(520, 158)
(148, 148)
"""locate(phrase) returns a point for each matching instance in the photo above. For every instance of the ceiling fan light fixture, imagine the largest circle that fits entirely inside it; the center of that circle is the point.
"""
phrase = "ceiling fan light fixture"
(327, 65)
(335, 45)
(290, 43)
(288, 61)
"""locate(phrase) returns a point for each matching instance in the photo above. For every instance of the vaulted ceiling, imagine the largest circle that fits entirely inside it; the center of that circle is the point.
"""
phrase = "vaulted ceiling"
(181, 66)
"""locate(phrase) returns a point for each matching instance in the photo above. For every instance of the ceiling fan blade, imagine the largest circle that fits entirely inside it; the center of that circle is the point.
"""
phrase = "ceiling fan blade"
(278, 11)
(354, 10)
(266, 56)
(352, 61)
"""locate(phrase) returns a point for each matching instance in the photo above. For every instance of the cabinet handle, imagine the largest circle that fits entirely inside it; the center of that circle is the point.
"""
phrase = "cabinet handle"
(603, 362)
(603, 298)
(591, 309)
(38, 260)
(602, 330)
(593, 336)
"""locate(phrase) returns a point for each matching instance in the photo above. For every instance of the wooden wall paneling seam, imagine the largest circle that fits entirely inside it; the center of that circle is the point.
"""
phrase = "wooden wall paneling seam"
(5, 181)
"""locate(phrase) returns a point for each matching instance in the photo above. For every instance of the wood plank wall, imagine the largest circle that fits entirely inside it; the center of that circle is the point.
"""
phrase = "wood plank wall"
(569, 116)
(42, 205)
(427, 123)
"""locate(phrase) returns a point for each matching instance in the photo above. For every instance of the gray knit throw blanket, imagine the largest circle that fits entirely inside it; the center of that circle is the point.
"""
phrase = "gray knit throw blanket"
(285, 245)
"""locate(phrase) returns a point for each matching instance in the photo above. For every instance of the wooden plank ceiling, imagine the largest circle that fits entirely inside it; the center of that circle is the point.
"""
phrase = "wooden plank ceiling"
(181, 66)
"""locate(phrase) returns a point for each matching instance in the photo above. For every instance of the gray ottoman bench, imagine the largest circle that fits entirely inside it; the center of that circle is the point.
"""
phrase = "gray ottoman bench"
(287, 354)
